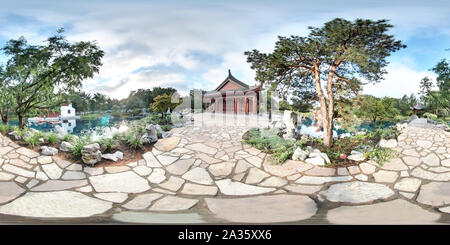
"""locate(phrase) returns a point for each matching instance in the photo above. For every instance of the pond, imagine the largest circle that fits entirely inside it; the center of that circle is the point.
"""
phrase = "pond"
(80, 126)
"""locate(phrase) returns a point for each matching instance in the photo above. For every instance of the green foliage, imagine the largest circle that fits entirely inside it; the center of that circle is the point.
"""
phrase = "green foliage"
(164, 102)
(91, 117)
(166, 127)
(380, 154)
(68, 138)
(78, 146)
(52, 138)
(269, 142)
(108, 144)
(375, 109)
(430, 116)
(4, 128)
(32, 141)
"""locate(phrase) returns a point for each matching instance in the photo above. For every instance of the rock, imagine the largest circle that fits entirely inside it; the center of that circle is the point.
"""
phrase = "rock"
(14, 135)
(112, 197)
(227, 187)
(408, 184)
(157, 176)
(180, 167)
(142, 170)
(118, 155)
(59, 185)
(142, 201)
(16, 170)
(356, 156)
(195, 189)
(60, 131)
(48, 151)
(173, 203)
(167, 144)
(299, 154)
(250, 209)
(318, 160)
(9, 191)
(66, 146)
(431, 160)
(435, 194)
(152, 135)
(357, 192)
(173, 183)
(394, 212)
(60, 204)
(367, 168)
(255, 175)
(325, 157)
(128, 182)
(424, 143)
(90, 154)
(290, 120)
(221, 169)
(392, 143)
(198, 175)
(385, 176)
(318, 180)
(52, 171)
(303, 189)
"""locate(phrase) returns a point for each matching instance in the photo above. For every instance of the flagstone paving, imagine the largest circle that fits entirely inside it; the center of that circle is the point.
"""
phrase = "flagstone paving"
(204, 168)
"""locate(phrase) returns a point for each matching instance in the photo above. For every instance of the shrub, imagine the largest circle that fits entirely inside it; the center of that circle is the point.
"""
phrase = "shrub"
(52, 138)
(78, 146)
(108, 144)
(68, 138)
(135, 142)
(32, 141)
(166, 127)
(380, 154)
(4, 128)
(430, 116)
(270, 142)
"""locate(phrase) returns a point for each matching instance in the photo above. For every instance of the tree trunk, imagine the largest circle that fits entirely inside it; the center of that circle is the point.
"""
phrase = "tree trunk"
(21, 121)
(327, 139)
(374, 124)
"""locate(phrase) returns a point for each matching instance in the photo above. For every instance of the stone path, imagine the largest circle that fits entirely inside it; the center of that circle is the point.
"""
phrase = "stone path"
(204, 170)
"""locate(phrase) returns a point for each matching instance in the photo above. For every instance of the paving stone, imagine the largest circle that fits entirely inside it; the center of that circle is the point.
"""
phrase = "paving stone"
(196, 189)
(395, 164)
(20, 179)
(431, 160)
(19, 171)
(6, 176)
(446, 162)
(58, 185)
(112, 197)
(73, 167)
(294, 177)
(198, 175)
(411, 152)
(273, 181)
(343, 171)
(116, 169)
(44, 159)
(72, 175)
(255, 161)
(41, 176)
(404, 174)
(424, 143)
(255, 175)
(157, 176)
(199, 147)
(142, 170)
(206, 158)
(277, 208)
(361, 177)
(5, 150)
(26, 152)
(221, 169)
(408, 184)
(173, 183)
(167, 144)
(318, 180)
(151, 160)
(392, 212)
(385, 176)
(423, 174)
(93, 171)
(32, 183)
(142, 201)
(242, 166)
(320, 171)
(435, 194)
(63, 163)
(356, 192)
(52, 171)
(303, 189)
(367, 168)
(128, 182)
(180, 167)
(164, 191)
(9, 191)
(87, 188)
(166, 159)
(60, 204)
(172, 203)
(353, 170)
(20, 163)
(228, 187)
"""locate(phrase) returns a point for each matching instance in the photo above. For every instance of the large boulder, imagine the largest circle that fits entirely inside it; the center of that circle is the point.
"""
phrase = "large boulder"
(290, 120)
(356, 156)
(90, 154)
(163, 133)
(48, 151)
(152, 134)
(118, 155)
(299, 154)
(66, 146)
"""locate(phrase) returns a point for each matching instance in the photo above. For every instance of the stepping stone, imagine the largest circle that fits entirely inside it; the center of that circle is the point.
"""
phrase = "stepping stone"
(112, 197)
(357, 192)
(5, 176)
(9, 191)
(289, 167)
(41, 176)
(278, 208)
(87, 188)
(395, 164)
(321, 171)
(255, 175)
(72, 175)
(173, 183)
(317, 180)
(435, 194)
(26, 152)
(412, 161)
(167, 144)
(73, 167)
(142, 170)
(408, 184)
(63, 164)
(228, 187)
(44, 159)
(166, 160)
(93, 171)
(411, 152)
(195, 189)
(5, 150)
(19, 171)
(172, 203)
(423, 174)
(361, 177)
(157, 176)
(198, 175)
(180, 167)
(303, 189)
(207, 159)
(150, 160)
(142, 201)
(52, 171)
(60, 204)
(221, 169)
(255, 161)
(128, 182)
(58, 185)
(199, 147)
(394, 212)
(20, 163)
(431, 160)
(158, 218)
(385, 176)
(367, 168)
(343, 171)
(424, 143)
(274, 181)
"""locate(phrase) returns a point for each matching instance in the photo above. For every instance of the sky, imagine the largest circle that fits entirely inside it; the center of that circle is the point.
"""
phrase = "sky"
(192, 44)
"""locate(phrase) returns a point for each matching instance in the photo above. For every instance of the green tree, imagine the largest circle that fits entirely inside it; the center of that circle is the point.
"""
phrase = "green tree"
(6, 98)
(38, 73)
(164, 102)
(340, 53)
(437, 101)
(375, 109)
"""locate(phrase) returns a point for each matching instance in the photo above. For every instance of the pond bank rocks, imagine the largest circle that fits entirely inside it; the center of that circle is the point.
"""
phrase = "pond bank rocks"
(48, 151)
(66, 146)
(118, 155)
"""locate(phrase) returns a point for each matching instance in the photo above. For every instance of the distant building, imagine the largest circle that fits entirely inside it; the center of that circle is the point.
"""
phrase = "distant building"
(417, 109)
(67, 111)
(233, 96)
